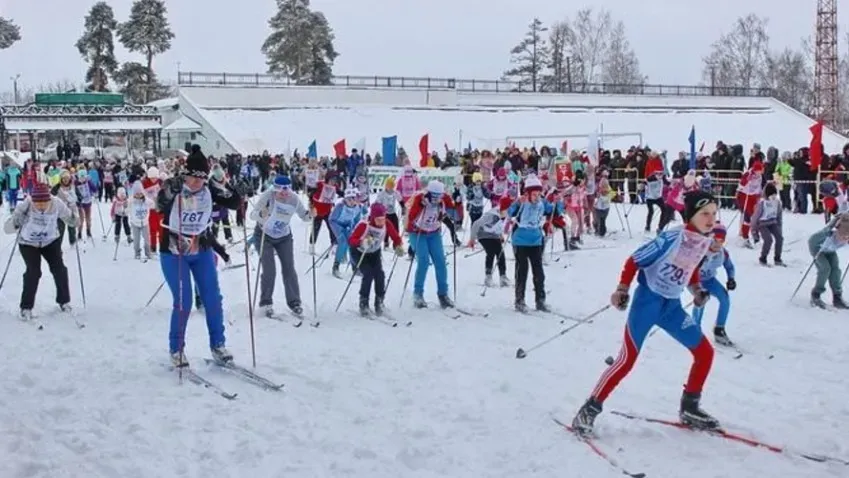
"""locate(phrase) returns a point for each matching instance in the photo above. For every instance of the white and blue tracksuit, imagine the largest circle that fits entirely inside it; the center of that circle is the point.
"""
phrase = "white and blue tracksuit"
(528, 241)
(712, 262)
(343, 219)
(425, 235)
(187, 215)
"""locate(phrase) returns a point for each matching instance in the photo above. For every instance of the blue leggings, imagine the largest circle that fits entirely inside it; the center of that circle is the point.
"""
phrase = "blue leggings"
(428, 247)
(715, 288)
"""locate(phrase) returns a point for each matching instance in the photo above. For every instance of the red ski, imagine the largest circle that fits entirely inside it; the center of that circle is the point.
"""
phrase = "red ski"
(721, 433)
(590, 442)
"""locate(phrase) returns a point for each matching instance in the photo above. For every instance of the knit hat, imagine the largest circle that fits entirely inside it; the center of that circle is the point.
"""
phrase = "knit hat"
(770, 190)
(351, 193)
(40, 193)
(390, 182)
(694, 201)
(477, 177)
(435, 187)
(532, 183)
(377, 210)
(137, 188)
(197, 164)
(153, 172)
(122, 193)
(504, 203)
(758, 167)
(282, 182)
(719, 231)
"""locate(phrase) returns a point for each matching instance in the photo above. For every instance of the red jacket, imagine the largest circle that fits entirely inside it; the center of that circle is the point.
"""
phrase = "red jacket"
(356, 237)
(319, 201)
(416, 209)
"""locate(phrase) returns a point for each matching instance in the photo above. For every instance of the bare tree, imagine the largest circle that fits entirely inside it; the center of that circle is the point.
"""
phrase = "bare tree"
(739, 57)
(790, 76)
(588, 41)
(558, 79)
(843, 87)
(530, 57)
(26, 94)
(621, 69)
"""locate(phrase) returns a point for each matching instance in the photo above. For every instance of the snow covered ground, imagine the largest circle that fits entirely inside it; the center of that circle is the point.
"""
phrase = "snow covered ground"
(443, 398)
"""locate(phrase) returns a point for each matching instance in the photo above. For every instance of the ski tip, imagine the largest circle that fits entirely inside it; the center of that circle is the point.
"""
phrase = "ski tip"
(520, 353)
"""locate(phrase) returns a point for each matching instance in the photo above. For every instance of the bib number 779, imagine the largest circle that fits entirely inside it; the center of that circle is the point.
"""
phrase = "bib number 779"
(672, 273)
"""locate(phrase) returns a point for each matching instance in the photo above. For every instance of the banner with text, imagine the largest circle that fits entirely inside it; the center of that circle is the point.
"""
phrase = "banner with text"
(377, 175)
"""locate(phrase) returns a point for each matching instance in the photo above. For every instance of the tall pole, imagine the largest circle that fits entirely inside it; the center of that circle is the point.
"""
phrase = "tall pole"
(15, 86)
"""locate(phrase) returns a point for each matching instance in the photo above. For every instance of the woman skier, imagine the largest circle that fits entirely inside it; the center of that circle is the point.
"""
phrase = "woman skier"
(529, 242)
(489, 231)
(424, 225)
(186, 205)
(36, 221)
(343, 218)
(365, 242)
(138, 211)
(273, 233)
(664, 267)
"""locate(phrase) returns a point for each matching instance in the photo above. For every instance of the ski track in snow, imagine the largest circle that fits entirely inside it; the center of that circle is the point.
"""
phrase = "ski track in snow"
(443, 398)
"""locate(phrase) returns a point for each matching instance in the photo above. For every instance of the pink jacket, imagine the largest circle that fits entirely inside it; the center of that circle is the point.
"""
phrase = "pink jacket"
(407, 186)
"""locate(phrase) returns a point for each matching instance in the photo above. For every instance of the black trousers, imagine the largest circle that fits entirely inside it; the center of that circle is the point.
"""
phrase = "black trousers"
(228, 229)
(371, 267)
(651, 203)
(494, 251)
(601, 221)
(52, 253)
(72, 233)
(316, 228)
(122, 221)
(393, 218)
(529, 257)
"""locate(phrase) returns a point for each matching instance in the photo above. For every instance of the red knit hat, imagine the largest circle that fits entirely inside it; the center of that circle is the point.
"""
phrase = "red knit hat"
(377, 210)
(504, 203)
(40, 193)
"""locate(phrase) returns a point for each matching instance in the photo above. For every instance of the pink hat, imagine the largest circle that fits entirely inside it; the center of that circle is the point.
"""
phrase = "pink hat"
(377, 210)
(40, 193)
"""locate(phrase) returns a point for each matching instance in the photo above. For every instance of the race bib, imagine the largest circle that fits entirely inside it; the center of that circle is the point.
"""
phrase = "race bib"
(39, 227)
(428, 220)
(668, 277)
(191, 214)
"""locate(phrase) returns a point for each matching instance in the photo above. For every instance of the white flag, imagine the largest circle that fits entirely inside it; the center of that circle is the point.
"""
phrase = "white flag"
(592, 147)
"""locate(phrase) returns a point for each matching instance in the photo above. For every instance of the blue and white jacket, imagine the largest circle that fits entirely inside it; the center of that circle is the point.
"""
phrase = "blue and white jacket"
(528, 221)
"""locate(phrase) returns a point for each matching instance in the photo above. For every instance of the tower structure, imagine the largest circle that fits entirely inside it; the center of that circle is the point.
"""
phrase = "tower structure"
(826, 63)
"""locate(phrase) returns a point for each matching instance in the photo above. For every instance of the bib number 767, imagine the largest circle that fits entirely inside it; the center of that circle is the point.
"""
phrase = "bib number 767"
(673, 273)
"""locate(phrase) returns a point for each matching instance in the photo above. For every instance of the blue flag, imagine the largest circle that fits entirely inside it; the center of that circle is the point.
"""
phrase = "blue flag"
(390, 148)
(312, 152)
(693, 148)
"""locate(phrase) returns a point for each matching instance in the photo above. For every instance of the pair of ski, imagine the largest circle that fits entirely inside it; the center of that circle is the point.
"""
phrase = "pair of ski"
(235, 370)
(296, 320)
(39, 325)
(455, 313)
(590, 441)
(384, 318)
(563, 317)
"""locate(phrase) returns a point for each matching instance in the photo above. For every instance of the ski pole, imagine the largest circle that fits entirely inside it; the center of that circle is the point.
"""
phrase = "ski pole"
(522, 353)
(248, 285)
(100, 214)
(409, 270)
(155, 293)
(11, 255)
(108, 231)
(455, 271)
(466, 256)
(314, 282)
(80, 268)
(351, 280)
(391, 271)
(258, 268)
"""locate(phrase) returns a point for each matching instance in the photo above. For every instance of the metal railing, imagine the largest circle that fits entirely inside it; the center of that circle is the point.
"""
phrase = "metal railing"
(258, 80)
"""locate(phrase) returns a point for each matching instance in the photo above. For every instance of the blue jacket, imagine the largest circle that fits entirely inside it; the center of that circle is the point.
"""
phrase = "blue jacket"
(529, 219)
(712, 262)
(354, 163)
(343, 218)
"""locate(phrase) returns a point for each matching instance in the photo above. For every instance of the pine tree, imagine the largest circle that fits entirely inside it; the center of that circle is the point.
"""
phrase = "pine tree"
(9, 33)
(530, 57)
(300, 45)
(149, 33)
(97, 48)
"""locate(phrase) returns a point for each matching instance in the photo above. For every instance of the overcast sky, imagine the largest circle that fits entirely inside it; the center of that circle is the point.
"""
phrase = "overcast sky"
(437, 38)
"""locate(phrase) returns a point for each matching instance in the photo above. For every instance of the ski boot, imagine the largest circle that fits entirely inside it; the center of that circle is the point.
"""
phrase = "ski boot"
(378, 306)
(117, 240)
(720, 337)
(762, 261)
(574, 245)
(137, 256)
(129, 240)
(747, 243)
(817, 301)
(364, 310)
(541, 306)
(693, 416)
(66, 308)
(584, 421)
(221, 355)
(26, 315)
(335, 270)
(178, 360)
(297, 309)
(267, 310)
(778, 262)
(487, 281)
(504, 281)
(520, 307)
(838, 302)
(419, 302)
(445, 302)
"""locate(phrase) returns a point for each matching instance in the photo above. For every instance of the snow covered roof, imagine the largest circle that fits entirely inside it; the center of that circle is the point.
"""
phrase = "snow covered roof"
(13, 124)
(165, 103)
(183, 125)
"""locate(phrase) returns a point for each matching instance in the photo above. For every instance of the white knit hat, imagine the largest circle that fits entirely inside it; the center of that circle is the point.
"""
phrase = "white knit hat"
(532, 183)
(153, 172)
(435, 187)
(137, 188)
(351, 193)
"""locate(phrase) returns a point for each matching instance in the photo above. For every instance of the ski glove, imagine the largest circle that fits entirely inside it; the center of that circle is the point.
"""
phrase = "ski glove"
(700, 296)
(620, 297)
(399, 251)
(731, 284)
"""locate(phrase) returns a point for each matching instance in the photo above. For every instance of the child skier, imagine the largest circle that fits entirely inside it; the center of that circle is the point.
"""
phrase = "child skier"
(321, 204)
(529, 241)
(823, 246)
(717, 256)
(602, 205)
(390, 198)
(456, 213)
(139, 213)
(343, 218)
(273, 215)
(489, 231)
(66, 191)
(664, 267)
(766, 222)
(85, 196)
(119, 213)
(475, 196)
(424, 224)
(36, 221)
(748, 193)
(654, 197)
(220, 214)
(152, 183)
(186, 205)
(365, 242)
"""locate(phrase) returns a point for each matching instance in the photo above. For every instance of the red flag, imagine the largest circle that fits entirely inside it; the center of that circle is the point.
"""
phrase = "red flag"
(424, 151)
(816, 145)
(340, 149)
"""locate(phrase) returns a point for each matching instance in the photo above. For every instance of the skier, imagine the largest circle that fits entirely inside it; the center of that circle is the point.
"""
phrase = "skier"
(220, 214)
(602, 205)
(664, 267)
(273, 213)
(390, 198)
(118, 213)
(343, 218)
(475, 196)
(186, 204)
(321, 204)
(823, 246)
(717, 256)
(85, 196)
(654, 197)
(748, 194)
(66, 191)
(152, 184)
(489, 231)
(767, 222)
(138, 211)
(365, 242)
(528, 242)
(499, 186)
(36, 221)
(424, 223)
